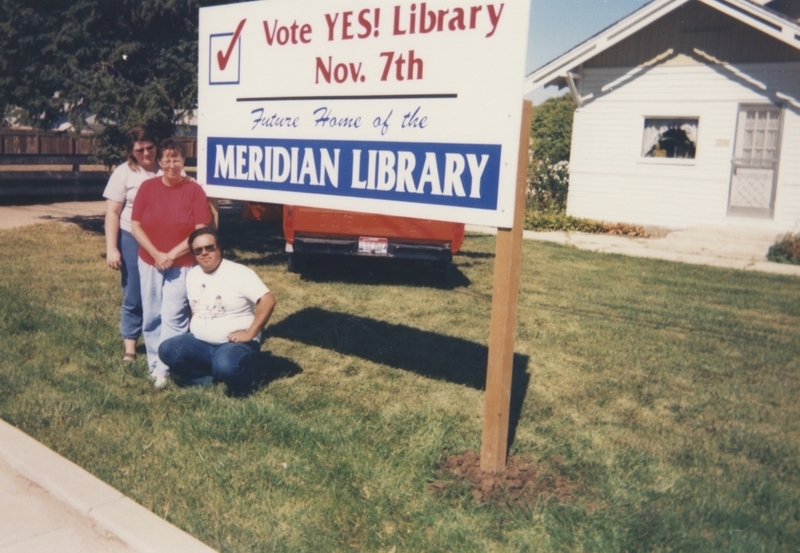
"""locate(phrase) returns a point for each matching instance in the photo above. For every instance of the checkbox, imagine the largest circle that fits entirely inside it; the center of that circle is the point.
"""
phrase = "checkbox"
(225, 57)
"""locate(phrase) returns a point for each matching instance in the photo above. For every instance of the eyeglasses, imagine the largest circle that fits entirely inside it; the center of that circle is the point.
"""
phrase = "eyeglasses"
(140, 151)
(208, 248)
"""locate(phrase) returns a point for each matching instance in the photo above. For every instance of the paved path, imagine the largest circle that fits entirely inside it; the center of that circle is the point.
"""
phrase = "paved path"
(17, 216)
(730, 247)
(48, 503)
(33, 520)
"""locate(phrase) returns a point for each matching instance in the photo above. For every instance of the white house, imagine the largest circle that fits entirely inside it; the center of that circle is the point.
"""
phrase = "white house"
(688, 114)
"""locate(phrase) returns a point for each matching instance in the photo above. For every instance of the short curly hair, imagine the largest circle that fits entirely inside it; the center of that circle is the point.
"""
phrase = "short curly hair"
(172, 145)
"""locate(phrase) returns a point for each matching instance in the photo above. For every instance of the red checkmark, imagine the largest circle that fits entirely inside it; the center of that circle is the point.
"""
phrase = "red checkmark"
(222, 59)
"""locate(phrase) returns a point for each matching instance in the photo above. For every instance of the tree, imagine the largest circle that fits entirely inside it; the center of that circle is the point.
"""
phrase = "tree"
(551, 136)
(125, 61)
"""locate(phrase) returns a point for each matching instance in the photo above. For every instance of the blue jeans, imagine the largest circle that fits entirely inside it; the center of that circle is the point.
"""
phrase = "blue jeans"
(191, 361)
(130, 321)
(165, 310)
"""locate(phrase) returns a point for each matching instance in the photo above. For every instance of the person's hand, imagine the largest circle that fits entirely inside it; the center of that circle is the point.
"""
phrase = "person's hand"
(239, 336)
(114, 259)
(163, 261)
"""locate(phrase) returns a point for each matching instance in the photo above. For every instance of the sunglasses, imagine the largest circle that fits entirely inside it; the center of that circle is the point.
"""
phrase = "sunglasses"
(140, 151)
(207, 248)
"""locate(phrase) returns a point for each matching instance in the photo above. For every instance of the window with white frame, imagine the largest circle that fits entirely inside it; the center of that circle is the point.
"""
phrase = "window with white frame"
(670, 137)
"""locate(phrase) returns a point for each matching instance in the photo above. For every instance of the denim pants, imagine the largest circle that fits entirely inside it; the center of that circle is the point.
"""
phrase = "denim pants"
(130, 322)
(165, 310)
(192, 361)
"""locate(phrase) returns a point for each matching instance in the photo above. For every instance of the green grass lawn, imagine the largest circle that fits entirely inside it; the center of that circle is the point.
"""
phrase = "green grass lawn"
(666, 394)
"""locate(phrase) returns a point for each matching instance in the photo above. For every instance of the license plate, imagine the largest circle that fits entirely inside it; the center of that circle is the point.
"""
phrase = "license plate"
(376, 246)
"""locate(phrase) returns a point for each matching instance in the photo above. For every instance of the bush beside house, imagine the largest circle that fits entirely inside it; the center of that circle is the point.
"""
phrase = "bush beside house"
(548, 173)
(786, 250)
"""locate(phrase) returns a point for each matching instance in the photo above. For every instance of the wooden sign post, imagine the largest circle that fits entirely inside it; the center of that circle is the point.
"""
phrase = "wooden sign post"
(503, 325)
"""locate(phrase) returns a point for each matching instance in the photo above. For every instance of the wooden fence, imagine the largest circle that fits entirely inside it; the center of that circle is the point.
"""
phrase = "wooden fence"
(31, 142)
(27, 160)
(49, 143)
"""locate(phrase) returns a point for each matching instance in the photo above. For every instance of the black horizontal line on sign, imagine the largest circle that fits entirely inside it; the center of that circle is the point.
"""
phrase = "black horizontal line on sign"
(371, 97)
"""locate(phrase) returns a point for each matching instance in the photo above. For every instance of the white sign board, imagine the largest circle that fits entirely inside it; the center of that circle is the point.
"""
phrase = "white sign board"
(403, 108)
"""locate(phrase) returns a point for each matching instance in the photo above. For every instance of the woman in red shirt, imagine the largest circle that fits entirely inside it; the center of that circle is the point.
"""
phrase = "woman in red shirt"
(166, 211)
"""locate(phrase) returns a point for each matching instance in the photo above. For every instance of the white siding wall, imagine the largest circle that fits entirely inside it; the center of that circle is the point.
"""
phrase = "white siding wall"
(611, 181)
(787, 197)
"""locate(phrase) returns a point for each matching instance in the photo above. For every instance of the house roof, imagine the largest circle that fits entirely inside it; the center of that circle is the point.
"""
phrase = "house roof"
(750, 12)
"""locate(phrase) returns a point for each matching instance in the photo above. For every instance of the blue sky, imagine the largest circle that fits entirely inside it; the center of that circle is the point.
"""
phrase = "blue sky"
(558, 25)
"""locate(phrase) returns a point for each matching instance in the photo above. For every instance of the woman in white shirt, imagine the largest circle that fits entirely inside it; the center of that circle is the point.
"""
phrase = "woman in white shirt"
(121, 247)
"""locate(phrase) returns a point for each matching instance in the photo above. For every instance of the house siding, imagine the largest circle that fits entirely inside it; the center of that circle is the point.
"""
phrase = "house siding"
(611, 181)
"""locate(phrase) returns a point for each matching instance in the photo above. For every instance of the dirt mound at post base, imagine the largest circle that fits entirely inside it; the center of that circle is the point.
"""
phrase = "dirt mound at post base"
(521, 484)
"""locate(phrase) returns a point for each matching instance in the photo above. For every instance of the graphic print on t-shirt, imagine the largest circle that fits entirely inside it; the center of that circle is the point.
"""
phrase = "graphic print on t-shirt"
(205, 307)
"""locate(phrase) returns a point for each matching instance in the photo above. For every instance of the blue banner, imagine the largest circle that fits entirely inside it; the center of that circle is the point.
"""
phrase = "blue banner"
(458, 175)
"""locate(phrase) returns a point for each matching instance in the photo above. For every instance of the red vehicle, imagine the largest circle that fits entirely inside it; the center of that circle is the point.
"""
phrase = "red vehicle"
(310, 231)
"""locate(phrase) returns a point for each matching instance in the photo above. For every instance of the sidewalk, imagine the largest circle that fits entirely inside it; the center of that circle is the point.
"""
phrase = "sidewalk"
(729, 247)
(14, 216)
(48, 504)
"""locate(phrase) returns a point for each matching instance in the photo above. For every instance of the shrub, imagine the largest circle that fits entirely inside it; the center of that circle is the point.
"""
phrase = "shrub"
(551, 134)
(553, 219)
(551, 129)
(556, 219)
(786, 250)
(549, 183)
(624, 229)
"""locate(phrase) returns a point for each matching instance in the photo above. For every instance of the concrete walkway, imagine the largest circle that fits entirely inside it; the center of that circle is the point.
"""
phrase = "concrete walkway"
(729, 247)
(14, 216)
(47, 503)
(50, 504)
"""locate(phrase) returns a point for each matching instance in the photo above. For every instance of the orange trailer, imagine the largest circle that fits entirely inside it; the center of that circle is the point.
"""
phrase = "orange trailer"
(313, 231)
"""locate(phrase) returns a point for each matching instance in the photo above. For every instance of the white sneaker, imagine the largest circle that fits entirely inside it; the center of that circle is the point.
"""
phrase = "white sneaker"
(160, 382)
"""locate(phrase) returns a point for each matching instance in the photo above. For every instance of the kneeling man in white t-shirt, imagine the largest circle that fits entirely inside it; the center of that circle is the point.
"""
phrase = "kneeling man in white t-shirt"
(230, 307)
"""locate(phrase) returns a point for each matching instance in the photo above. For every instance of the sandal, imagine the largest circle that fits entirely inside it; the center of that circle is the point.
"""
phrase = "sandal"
(128, 358)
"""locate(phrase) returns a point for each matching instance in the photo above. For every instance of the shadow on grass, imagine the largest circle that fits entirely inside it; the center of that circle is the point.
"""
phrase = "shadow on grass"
(402, 347)
(252, 242)
(268, 368)
(475, 255)
(90, 223)
(382, 271)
